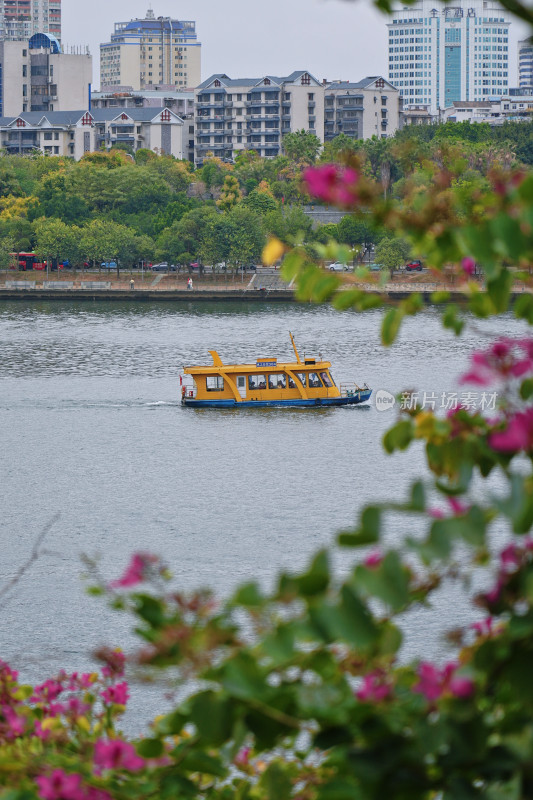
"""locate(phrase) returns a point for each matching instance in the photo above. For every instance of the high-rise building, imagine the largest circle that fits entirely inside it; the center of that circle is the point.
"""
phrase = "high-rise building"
(151, 52)
(21, 19)
(36, 76)
(438, 55)
(525, 63)
(370, 107)
(235, 114)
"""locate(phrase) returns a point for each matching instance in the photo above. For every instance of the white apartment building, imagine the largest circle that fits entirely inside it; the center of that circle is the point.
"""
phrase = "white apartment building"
(441, 54)
(370, 107)
(525, 63)
(516, 106)
(76, 133)
(235, 114)
(21, 19)
(149, 52)
(36, 76)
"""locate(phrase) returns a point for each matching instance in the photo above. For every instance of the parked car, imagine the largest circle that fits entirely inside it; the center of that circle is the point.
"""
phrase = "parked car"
(338, 266)
(414, 266)
(108, 264)
(164, 266)
(375, 267)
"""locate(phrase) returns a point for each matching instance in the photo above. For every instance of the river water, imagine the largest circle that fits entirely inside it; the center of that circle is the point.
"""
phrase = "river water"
(92, 429)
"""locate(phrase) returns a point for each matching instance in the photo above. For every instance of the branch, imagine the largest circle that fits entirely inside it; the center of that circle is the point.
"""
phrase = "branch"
(34, 555)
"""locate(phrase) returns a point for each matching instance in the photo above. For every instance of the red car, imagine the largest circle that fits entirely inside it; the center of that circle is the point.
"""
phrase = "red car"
(414, 266)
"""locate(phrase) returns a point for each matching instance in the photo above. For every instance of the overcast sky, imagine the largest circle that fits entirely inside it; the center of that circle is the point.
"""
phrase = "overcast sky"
(333, 39)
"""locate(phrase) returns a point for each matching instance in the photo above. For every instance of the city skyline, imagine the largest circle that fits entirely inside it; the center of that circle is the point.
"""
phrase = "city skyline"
(334, 39)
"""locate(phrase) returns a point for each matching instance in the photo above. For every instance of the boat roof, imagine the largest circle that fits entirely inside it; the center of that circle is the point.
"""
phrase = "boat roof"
(260, 366)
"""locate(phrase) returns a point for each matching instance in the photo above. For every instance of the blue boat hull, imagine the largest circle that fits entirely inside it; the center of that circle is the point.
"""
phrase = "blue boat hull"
(354, 400)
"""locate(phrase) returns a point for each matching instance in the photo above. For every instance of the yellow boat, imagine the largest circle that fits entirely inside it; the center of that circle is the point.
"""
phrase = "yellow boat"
(267, 382)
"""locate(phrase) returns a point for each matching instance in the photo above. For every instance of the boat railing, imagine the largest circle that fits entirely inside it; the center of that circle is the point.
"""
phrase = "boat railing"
(351, 389)
(188, 388)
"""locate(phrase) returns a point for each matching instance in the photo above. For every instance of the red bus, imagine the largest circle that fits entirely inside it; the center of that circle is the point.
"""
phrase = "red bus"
(26, 261)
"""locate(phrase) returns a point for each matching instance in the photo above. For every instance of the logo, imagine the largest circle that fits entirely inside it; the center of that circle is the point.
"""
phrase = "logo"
(384, 400)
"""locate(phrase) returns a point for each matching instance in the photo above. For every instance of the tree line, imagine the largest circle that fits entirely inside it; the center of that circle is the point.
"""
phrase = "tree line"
(113, 206)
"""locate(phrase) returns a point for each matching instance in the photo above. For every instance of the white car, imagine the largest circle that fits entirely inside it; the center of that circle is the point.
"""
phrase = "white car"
(338, 266)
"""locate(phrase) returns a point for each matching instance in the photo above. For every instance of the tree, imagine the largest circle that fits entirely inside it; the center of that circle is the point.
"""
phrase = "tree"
(54, 239)
(392, 253)
(245, 237)
(230, 195)
(261, 199)
(301, 146)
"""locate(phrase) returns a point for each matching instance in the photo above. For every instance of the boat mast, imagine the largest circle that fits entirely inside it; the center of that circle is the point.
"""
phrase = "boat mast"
(298, 359)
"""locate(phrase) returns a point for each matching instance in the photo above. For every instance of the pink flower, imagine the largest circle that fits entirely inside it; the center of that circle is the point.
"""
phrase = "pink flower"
(435, 682)
(116, 754)
(373, 559)
(16, 724)
(116, 694)
(430, 683)
(493, 595)
(136, 570)
(461, 687)
(510, 557)
(47, 692)
(484, 627)
(518, 434)
(60, 786)
(374, 688)
(333, 184)
(242, 759)
(457, 506)
(115, 661)
(500, 361)
(468, 265)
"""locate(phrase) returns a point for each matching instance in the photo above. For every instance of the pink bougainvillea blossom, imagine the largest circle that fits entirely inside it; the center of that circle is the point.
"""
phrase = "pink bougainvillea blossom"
(60, 786)
(242, 759)
(116, 754)
(374, 688)
(48, 691)
(484, 627)
(434, 682)
(136, 571)
(115, 661)
(468, 265)
(504, 359)
(118, 694)
(518, 435)
(373, 560)
(333, 184)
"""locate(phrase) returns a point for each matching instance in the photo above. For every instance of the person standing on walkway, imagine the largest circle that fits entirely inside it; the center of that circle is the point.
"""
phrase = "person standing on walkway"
(189, 283)
(132, 284)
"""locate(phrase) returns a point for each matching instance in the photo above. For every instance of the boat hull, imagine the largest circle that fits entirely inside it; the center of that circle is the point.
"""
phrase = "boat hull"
(354, 400)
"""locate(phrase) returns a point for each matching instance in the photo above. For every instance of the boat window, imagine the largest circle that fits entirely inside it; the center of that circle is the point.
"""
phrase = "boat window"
(301, 377)
(314, 381)
(292, 385)
(257, 382)
(277, 381)
(326, 379)
(214, 383)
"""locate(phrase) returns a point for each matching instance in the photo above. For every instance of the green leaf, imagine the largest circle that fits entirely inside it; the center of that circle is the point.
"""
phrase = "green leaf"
(451, 321)
(150, 609)
(526, 389)
(347, 299)
(391, 326)
(150, 748)
(275, 783)
(368, 531)
(440, 297)
(249, 594)
(389, 581)
(499, 290)
(197, 761)
(418, 497)
(316, 579)
(523, 307)
(399, 437)
(213, 717)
